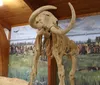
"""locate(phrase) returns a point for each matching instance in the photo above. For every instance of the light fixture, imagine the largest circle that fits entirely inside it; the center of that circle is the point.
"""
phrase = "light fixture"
(1, 2)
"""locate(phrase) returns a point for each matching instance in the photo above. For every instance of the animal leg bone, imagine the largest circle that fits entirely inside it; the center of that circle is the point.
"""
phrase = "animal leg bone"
(61, 71)
(35, 61)
(73, 70)
(61, 74)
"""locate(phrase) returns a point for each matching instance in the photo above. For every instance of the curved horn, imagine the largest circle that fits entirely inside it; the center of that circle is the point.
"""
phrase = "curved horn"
(38, 11)
(66, 30)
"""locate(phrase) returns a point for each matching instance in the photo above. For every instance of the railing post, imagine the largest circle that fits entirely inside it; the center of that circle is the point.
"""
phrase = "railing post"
(4, 53)
(52, 71)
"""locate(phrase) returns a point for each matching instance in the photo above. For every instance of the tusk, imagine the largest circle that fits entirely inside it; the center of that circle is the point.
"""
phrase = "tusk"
(58, 30)
(40, 32)
(73, 19)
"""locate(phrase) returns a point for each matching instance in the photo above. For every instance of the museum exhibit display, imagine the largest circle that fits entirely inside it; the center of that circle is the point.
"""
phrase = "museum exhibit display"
(54, 42)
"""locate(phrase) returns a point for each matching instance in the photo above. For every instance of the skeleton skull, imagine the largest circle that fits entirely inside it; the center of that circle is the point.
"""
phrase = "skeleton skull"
(42, 19)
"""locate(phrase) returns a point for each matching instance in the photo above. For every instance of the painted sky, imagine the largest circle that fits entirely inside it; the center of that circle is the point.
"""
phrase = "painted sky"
(84, 26)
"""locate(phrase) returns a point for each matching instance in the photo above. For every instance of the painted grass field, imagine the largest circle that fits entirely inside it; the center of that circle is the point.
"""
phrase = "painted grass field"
(20, 67)
(83, 75)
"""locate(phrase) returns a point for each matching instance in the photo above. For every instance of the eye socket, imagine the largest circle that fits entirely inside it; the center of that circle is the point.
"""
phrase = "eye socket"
(37, 22)
(47, 14)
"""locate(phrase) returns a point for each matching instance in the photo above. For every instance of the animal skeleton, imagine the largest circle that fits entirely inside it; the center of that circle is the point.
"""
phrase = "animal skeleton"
(56, 43)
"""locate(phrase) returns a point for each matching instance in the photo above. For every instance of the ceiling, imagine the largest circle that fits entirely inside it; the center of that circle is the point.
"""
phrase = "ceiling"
(17, 12)
(14, 12)
(82, 7)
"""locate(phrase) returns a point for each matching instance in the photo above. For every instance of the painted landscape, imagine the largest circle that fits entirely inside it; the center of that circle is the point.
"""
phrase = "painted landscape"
(21, 59)
(86, 35)
(88, 66)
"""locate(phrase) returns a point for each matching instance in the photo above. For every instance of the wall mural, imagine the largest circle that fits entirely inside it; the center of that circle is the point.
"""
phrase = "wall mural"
(86, 34)
(21, 55)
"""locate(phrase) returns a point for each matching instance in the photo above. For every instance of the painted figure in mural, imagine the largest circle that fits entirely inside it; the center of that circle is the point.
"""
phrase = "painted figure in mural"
(55, 43)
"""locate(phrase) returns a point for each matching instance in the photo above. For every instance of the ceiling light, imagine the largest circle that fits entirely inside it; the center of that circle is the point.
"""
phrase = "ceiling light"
(1, 2)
